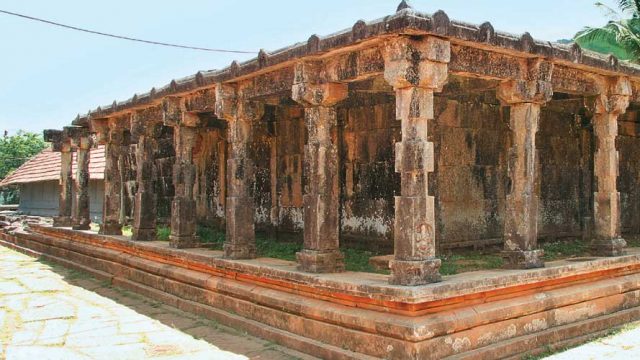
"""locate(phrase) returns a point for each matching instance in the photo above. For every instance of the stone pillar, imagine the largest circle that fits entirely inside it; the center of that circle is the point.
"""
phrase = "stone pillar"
(81, 216)
(524, 98)
(321, 249)
(66, 187)
(613, 101)
(145, 205)
(416, 69)
(183, 206)
(111, 219)
(240, 113)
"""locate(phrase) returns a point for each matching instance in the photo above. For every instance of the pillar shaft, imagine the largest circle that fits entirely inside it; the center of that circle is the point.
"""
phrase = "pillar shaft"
(414, 225)
(521, 208)
(524, 99)
(111, 219)
(416, 69)
(145, 207)
(321, 248)
(607, 240)
(82, 216)
(66, 188)
(183, 206)
(240, 240)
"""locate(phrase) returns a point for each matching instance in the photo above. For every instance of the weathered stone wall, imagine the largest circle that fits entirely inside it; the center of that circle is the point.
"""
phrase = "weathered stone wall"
(164, 154)
(565, 154)
(369, 131)
(263, 151)
(291, 137)
(469, 178)
(628, 145)
(209, 156)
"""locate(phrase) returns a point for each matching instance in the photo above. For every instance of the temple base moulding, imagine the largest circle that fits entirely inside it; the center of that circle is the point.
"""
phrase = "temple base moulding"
(358, 315)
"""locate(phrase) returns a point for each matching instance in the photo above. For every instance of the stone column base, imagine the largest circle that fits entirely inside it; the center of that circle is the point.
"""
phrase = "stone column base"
(81, 225)
(184, 242)
(143, 234)
(110, 228)
(531, 259)
(612, 247)
(62, 221)
(315, 261)
(414, 273)
(239, 251)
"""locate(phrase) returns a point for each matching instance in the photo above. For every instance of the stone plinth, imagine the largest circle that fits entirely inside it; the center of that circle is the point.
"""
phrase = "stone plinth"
(357, 314)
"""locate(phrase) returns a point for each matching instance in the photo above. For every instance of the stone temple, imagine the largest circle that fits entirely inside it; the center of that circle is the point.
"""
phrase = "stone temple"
(412, 133)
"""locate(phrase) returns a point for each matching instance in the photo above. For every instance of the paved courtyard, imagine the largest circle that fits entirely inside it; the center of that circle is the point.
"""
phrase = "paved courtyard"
(624, 345)
(49, 312)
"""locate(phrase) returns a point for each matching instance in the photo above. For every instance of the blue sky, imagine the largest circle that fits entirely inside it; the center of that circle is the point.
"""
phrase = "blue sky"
(48, 74)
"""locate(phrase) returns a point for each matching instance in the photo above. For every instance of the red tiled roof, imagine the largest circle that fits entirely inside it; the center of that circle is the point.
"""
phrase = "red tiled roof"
(46, 166)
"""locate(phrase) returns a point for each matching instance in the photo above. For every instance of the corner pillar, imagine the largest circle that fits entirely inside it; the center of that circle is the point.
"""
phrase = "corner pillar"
(240, 113)
(524, 99)
(416, 69)
(609, 105)
(321, 248)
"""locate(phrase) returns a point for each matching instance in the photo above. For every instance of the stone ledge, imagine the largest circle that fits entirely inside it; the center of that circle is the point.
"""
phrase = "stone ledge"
(365, 289)
(493, 329)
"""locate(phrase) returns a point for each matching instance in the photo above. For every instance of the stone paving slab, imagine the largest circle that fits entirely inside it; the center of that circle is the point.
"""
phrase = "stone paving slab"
(46, 312)
(622, 346)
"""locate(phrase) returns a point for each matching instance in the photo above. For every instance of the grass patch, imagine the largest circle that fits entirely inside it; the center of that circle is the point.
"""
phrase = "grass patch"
(214, 238)
(565, 249)
(268, 247)
(127, 230)
(468, 261)
(163, 232)
(358, 260)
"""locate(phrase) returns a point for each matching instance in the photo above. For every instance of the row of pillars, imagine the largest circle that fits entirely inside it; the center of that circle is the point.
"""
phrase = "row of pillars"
(416, 69)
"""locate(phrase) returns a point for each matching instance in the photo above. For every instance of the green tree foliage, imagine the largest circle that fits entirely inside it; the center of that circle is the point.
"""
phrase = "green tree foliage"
(15, 150)
(620, 36)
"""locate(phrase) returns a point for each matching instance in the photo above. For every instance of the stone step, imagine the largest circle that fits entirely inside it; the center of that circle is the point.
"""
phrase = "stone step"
(549, 315)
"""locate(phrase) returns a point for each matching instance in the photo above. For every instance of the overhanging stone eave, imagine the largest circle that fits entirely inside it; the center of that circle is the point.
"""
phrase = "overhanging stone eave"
(407, 22)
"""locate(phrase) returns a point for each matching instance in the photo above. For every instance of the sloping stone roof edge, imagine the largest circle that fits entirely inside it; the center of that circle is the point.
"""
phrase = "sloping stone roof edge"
(405, 21)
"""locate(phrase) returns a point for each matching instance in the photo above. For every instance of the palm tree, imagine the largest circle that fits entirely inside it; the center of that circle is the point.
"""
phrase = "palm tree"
(620, 37)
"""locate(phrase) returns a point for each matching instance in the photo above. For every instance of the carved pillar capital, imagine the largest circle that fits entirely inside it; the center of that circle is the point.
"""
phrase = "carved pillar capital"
(512, 92)
(534, 88)
(310, 89)
(417, 63)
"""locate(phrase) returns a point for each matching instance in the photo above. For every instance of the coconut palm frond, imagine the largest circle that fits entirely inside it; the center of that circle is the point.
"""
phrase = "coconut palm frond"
(630, 7)
(607, 40)
(608, 12)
